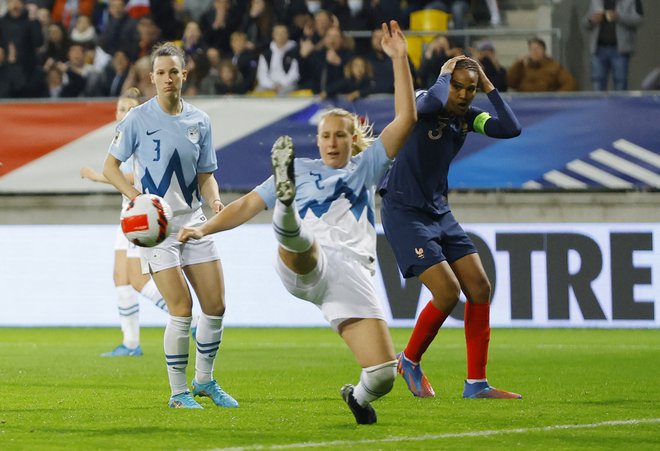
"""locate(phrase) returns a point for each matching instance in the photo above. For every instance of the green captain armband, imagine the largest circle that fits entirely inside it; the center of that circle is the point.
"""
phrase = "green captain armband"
(479, 122)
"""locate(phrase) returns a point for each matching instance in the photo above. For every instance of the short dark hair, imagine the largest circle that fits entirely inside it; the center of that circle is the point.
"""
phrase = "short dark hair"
(467, 64)
(538, 40)
(167, 49)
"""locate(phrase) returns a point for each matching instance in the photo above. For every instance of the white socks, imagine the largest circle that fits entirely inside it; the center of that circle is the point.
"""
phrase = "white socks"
(209, 337)
(129, 315)
(150, 291)
(375, 382)
(176, 343)
(288, 228)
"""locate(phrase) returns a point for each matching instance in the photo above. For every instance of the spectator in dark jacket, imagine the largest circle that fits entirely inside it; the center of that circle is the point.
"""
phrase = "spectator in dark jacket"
(20, 37)
(358, 81)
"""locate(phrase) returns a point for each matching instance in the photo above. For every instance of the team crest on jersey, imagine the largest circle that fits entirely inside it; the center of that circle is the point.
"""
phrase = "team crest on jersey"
(117, 139)
(193, 134)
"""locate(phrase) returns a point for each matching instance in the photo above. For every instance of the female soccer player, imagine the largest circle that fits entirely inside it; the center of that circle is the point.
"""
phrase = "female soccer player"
(323, 217)
(426, 239)
(171, 143)
(127, 275)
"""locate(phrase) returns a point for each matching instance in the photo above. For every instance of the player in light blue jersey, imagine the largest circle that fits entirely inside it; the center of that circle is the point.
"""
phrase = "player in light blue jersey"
(323, 217)
(171, 145)
(127, 275)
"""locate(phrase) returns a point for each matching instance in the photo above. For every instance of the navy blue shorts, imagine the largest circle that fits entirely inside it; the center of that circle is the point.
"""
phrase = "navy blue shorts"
(420, 239)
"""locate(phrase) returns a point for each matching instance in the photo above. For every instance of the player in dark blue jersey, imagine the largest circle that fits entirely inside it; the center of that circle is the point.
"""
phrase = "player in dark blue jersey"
(427, 240)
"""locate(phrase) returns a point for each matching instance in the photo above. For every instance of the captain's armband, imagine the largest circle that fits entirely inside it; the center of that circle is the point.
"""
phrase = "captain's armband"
(480, 122)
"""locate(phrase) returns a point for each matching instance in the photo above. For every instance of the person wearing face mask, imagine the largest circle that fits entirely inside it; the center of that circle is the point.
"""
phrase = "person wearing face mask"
(428, 242)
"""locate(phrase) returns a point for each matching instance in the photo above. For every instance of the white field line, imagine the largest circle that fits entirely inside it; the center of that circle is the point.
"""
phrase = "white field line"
(421, 438)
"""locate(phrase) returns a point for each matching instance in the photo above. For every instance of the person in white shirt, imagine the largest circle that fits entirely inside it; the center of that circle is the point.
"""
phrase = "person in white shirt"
(278, 68)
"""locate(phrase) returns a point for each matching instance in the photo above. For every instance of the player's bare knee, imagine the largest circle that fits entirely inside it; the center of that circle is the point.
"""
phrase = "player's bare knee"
(379, 379)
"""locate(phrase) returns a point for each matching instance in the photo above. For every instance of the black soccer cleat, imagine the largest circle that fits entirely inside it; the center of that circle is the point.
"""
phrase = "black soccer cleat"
(363, 415)
(281, 157)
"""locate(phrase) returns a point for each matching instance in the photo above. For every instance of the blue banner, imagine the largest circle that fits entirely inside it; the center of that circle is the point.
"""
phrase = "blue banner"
(568, 142)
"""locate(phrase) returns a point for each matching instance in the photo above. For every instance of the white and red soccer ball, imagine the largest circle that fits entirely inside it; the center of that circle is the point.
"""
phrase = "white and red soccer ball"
(145, 220)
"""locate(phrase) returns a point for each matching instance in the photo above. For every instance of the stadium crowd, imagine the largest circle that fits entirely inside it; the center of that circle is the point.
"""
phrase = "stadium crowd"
(100, 48)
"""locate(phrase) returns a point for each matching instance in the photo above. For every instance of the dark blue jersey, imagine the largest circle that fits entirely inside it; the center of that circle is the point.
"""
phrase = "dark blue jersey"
(418, 177)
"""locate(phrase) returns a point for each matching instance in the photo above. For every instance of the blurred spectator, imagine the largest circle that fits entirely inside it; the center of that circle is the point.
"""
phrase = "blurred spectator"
(78, 65)
(44, 18)
(278, 68)
(358, 81)
(192, 40)
(436, 53)
(485, 54)
(537, 72)
(325, 66)
(115, 74)
(66, 12)
(244, 59)
(218, 22)
(148, 36)
(12, 82)
(351, 14)
(83, 32)
(381, 64)
(20, 37)
(612, 25)
(56, 44)
(323, 21)
(223, 79)
(120, 32)
(652, 80)
(198, 67)
(300, 21)
(257, 24)
(170, 16)
(139, 77)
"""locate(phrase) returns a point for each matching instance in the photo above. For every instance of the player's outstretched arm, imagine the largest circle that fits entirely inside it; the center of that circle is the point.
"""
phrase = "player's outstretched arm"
(405, 114)
(236, 213)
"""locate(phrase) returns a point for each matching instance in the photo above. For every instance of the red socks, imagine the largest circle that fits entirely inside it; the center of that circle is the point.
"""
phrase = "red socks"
(477, 337)
(426, 328)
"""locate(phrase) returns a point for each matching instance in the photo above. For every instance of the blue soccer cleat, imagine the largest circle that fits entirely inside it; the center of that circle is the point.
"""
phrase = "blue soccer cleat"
(123, 351)
(412, 373)
(184, 401)
(212, 390)
(481, 390)
(282, 159)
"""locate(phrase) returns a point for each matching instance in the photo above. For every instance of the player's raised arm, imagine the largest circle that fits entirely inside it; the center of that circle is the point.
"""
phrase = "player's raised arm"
(236, 213)
(405, 114)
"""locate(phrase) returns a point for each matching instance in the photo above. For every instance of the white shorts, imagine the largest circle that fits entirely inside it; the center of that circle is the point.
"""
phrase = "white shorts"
(122, 244)
(339, 285)
(172, 253)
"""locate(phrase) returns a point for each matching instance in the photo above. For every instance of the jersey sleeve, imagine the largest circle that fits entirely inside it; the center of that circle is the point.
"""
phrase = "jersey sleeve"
(503, 125)
(124, 142)
(433, 100)
(374, 162)
(208, 160)
(267, 192)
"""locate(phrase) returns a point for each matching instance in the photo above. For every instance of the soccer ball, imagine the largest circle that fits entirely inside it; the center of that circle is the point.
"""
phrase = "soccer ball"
(145, 220)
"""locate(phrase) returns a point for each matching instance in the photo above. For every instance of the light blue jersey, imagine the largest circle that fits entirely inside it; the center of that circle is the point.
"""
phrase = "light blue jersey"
(168, 151)
(337, 205)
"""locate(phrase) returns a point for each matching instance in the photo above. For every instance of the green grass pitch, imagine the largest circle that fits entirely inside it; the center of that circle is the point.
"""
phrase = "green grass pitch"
(582, 388)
